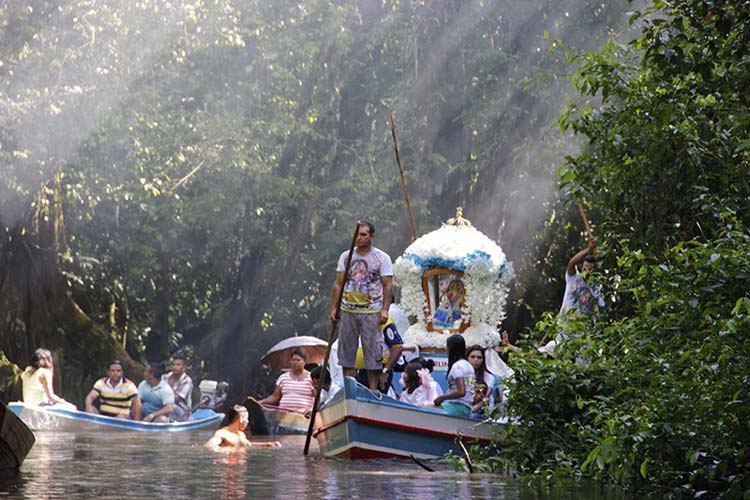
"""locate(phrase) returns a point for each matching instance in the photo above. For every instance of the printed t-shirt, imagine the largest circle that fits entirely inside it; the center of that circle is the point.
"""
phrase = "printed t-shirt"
(363, 291)
(580, 296)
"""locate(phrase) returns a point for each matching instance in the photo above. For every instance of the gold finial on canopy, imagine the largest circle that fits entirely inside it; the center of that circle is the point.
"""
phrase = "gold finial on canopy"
(458, 220)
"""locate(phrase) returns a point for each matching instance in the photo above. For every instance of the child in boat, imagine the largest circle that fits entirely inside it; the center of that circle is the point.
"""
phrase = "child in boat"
(419, 387)
(233, 434)
(460, 396)
(37, 382)
(329, 387)
(484, 381)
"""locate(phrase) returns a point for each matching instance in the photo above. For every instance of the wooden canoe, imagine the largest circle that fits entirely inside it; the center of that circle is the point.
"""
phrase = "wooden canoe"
(16, 439)
(49, 418)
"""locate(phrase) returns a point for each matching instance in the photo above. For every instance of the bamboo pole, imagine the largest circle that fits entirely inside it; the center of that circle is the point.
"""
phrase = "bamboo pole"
(314, 410)
(585, 220)
(403, 182)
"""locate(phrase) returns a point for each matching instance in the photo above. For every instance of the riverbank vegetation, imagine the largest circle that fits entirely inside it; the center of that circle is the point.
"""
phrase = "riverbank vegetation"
(181, 178)
(651, 392)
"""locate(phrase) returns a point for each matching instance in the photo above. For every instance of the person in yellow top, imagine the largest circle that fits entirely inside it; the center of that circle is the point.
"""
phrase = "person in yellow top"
(37, 382)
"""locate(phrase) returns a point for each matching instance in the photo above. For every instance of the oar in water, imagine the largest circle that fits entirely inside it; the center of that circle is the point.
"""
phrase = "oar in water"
(314, 410)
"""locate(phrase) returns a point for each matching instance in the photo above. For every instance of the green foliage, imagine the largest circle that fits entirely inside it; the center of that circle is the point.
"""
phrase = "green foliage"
(653, 396)
(650, 393)
(213, 155)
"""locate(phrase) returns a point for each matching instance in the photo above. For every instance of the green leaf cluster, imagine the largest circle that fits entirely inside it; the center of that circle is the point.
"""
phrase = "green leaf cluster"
(651, 392)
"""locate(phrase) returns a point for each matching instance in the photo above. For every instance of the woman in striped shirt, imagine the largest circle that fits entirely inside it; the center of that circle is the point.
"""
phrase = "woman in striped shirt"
(294, 390)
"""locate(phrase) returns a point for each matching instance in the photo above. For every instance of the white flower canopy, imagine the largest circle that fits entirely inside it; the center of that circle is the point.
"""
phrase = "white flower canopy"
(466, 254)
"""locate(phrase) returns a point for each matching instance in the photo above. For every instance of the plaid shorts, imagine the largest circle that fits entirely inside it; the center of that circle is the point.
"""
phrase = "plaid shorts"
(365, 327)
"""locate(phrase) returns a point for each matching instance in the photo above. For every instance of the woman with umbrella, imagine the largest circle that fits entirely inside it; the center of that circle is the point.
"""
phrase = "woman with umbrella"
(294, 390)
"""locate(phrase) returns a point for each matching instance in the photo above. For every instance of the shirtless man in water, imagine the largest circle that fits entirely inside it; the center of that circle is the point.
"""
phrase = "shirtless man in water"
(233, 435)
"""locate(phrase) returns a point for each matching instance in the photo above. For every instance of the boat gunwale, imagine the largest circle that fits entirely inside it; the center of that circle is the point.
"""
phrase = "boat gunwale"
(110, 423)
(384, 423)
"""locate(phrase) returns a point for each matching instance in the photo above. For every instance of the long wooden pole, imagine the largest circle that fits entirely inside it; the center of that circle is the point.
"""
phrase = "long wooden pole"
(403, 182)
(585, 220)
(314, 410)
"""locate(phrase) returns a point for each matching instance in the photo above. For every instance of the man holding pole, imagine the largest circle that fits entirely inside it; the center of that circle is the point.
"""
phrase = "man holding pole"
(579, 297)
(364, 304)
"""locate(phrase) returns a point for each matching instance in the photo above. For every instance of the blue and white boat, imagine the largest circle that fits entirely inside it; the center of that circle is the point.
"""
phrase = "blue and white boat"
(453, 280)
(359, 423)
(49, 418)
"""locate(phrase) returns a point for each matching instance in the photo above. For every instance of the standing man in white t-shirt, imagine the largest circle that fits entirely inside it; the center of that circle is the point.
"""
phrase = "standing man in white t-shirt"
(579, 297)
(364, 305)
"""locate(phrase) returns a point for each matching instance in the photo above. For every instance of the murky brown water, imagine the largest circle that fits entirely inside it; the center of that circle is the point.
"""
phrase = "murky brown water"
(176, 466)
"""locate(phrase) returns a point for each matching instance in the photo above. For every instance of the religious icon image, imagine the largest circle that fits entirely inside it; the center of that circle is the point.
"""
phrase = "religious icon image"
(446, 292)
(356, 290)
(448, 312)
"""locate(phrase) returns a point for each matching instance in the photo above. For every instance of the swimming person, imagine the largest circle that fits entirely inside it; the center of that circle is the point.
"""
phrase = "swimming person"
(233, 434)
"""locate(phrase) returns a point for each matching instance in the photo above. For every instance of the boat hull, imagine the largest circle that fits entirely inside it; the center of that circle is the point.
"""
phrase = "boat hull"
(285, 422)
(273, 421)
(60, 420)
(359, 423)
(16, 439)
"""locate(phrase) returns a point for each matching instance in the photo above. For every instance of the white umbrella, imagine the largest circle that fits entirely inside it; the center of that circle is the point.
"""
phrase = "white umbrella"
(279, 356)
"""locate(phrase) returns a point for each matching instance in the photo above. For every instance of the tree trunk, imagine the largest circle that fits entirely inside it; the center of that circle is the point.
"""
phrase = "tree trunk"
(37, 308)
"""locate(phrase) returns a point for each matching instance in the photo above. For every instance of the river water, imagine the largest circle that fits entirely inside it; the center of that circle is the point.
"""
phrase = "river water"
(134, 466)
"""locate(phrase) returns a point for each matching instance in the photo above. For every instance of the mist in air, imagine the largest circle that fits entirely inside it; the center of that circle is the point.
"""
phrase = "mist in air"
(213, 156)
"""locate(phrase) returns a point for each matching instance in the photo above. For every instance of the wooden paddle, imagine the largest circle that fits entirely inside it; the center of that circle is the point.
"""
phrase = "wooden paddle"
(331, 335)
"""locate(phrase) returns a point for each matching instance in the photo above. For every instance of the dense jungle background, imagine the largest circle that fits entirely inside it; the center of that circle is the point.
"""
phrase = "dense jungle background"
(180, 177)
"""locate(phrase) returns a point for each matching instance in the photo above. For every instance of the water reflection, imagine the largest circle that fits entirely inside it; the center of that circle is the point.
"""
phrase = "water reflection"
(177, 466)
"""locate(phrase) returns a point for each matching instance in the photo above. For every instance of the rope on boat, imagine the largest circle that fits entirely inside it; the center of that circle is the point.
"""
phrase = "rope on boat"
(375, 394)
